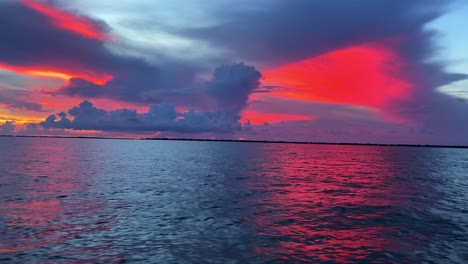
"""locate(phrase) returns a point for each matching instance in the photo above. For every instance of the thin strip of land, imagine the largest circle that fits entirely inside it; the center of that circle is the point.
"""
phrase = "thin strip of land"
(250, 141)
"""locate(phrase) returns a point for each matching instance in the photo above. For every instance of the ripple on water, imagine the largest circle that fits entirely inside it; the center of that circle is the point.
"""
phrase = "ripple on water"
(106, 201)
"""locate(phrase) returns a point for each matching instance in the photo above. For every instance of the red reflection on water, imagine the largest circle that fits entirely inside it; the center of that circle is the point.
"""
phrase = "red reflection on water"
(34, 214)
(42, 212)
(329, 204)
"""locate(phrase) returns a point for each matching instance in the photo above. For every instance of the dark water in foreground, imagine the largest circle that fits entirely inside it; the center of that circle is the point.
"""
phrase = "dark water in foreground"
(117, 201)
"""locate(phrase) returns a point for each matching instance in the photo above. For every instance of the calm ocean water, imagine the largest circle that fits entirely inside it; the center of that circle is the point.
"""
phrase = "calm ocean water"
(124, 201)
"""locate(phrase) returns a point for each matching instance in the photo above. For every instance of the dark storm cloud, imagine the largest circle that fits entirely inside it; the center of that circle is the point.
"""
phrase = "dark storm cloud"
(134, 84)
(292, 30)
(28, 38)
(228, 90)
(160, 117)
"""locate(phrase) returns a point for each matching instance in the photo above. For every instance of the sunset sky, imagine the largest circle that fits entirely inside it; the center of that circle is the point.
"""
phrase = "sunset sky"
(305, 70)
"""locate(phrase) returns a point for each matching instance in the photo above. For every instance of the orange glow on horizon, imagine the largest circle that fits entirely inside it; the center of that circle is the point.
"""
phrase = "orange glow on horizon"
(99, 79)
(68, 21)
(18, 119)
(365, 75)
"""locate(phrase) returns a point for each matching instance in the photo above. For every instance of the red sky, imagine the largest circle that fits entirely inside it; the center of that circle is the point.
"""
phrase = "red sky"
(364, 75)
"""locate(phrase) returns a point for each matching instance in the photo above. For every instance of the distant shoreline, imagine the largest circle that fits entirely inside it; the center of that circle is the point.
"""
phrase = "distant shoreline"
(252, 141)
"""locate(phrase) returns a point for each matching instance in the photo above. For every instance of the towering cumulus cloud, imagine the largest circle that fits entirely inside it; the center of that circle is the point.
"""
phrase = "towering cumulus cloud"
(232, 84)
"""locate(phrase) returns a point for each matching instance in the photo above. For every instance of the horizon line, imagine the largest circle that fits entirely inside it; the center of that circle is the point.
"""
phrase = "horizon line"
(251, 141)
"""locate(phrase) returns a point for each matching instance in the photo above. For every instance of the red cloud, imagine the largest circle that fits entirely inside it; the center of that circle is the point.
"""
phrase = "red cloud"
(365, 75)
(68, 21)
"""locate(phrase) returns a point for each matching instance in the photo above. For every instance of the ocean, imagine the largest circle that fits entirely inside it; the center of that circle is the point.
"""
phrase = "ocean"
(137, 201)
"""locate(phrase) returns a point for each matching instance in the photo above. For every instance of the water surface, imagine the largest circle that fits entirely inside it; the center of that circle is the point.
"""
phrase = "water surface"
(124, 201)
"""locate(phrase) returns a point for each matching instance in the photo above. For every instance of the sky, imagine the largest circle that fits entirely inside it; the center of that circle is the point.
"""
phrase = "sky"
(306, 70)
